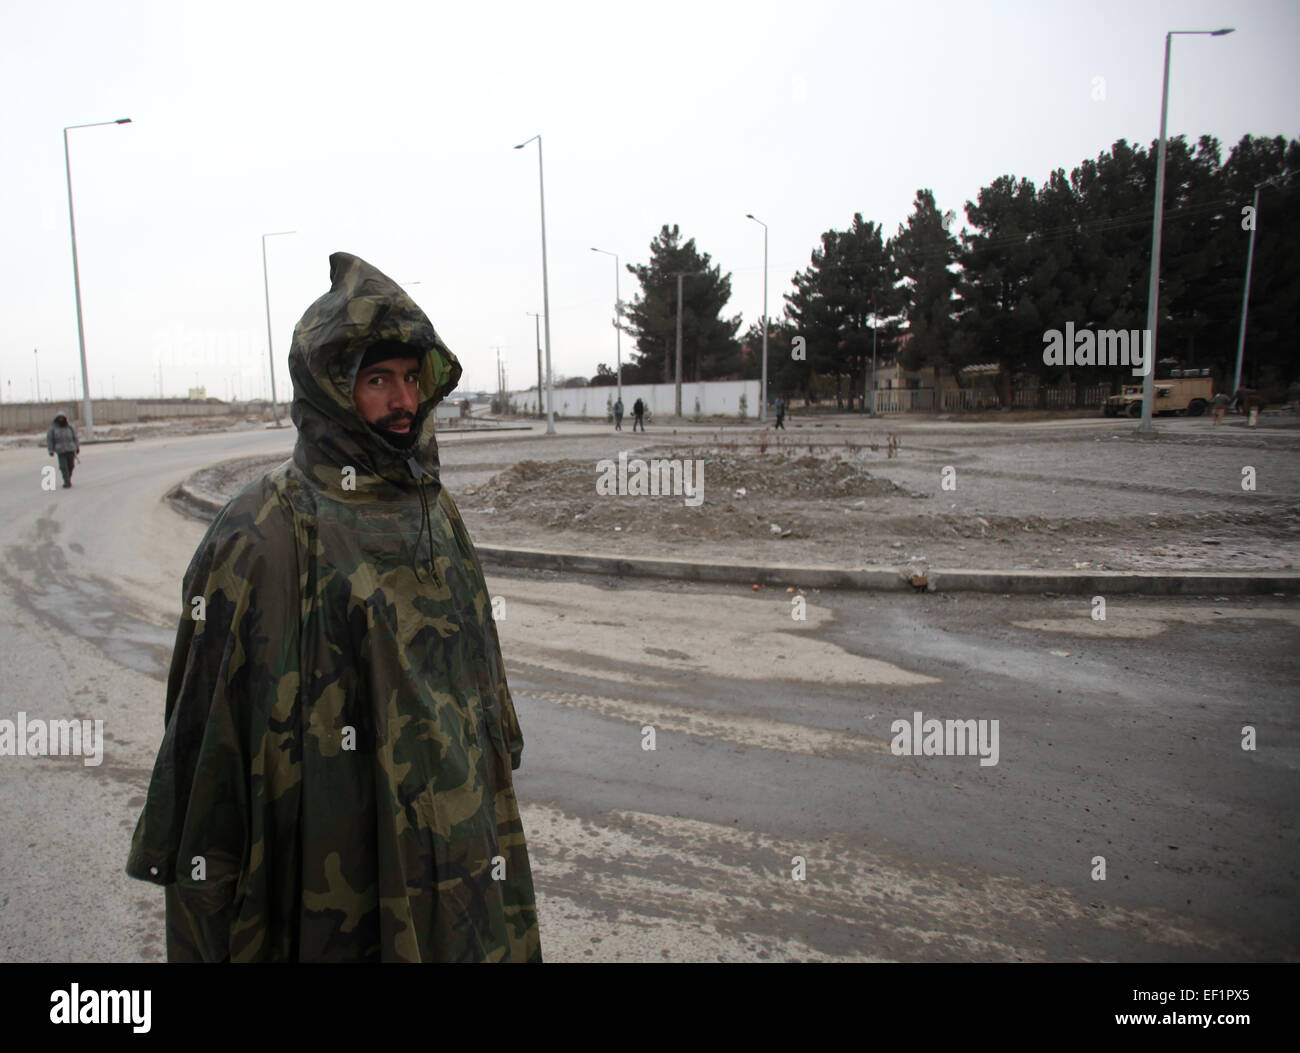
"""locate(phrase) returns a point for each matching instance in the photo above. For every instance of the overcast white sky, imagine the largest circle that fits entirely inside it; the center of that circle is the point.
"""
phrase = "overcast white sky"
(386, 129)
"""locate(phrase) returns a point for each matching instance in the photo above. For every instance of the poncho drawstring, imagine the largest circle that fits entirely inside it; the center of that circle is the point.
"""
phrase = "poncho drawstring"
(426, 523)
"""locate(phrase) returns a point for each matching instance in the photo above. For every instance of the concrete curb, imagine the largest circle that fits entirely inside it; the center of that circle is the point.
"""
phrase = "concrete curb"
(903, 578)
(195, 503)
(204, 505)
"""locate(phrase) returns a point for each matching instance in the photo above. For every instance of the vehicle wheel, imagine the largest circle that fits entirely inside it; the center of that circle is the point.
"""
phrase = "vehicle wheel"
(1196, 407)
(1135, 409)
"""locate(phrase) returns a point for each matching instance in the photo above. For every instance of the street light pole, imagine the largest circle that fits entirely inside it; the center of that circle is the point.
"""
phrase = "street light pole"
(546, 291)
(618, 320)
(762, 401)
(76, 276)
(680, 276)
(1245, 295)
(537, 326)
(270, 349)
(501, 386)
(1153, 288)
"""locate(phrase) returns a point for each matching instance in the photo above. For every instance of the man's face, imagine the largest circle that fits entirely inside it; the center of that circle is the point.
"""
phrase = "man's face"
(387, 394)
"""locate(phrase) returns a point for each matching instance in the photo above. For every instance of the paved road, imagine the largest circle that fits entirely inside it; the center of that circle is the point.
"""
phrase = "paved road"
(1119, 739)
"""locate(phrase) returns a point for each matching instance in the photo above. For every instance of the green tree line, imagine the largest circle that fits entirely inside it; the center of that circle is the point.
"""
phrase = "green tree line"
(1028, 259)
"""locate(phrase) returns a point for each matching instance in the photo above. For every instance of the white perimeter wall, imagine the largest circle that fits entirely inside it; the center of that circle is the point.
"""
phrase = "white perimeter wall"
(720, 398)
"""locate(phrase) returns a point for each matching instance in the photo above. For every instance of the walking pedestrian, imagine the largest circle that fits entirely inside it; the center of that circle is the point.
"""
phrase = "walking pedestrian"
(62, 439)
(1221, 401)
(638, 413)
(618, 415)
(780, 413)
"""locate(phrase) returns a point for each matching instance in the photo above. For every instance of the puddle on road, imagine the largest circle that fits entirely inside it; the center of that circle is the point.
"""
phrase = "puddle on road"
(83, 606)
(1140, 622)
(754, 732)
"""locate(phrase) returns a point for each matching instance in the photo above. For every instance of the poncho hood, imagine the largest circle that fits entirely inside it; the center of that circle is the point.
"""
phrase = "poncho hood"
(362, 308)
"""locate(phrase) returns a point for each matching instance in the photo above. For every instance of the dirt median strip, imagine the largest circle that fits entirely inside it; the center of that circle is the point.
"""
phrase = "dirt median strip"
(808, 516)
(200, 504)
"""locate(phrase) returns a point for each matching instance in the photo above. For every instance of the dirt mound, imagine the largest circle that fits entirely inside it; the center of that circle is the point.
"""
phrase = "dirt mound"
(726, 474)
(743, 498)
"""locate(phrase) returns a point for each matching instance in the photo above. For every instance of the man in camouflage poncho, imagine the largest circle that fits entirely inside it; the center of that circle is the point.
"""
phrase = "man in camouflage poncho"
(334, 782)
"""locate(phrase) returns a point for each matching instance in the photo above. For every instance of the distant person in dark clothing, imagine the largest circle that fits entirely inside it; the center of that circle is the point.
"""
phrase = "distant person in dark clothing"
(61, 439)
(780, 412)
(638, 413)
(1221, 401)
(1247, 399)
(618, 415)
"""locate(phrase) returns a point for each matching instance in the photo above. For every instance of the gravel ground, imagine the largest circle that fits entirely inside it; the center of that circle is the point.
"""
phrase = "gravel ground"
(1047, 494)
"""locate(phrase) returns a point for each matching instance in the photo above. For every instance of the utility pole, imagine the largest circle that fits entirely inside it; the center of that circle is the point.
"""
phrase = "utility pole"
(679, 275)
(537, 319)
(546, 289)
(88, 425)
(872, 394)
(762, 397)
(36, 353)
(618, 321)
(270, 344)
(501, 386)
(1245, 295)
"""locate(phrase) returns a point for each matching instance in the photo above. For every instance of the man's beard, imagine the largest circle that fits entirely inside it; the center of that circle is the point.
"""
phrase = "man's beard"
(402, 440)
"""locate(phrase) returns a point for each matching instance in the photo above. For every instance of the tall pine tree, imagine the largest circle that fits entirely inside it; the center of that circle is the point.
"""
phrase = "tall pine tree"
(709, 345)
(924, 251)
(832, 303)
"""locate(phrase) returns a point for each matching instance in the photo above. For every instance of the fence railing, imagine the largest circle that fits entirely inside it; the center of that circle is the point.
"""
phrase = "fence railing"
(905, 400)
(924, 400)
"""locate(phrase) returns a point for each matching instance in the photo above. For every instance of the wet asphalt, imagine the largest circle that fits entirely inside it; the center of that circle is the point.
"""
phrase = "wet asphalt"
(772, 820)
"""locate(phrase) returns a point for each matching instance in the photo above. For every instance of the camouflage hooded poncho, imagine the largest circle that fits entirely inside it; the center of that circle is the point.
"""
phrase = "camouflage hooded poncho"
(334, 781)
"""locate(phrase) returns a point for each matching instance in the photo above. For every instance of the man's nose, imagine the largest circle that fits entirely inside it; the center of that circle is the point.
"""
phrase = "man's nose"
(404, 397)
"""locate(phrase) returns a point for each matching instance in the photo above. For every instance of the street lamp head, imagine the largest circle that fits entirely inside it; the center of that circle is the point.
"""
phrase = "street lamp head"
(1222, 32)
(127, 120)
